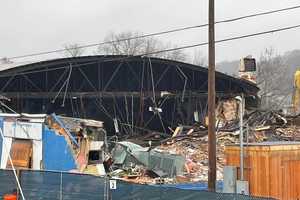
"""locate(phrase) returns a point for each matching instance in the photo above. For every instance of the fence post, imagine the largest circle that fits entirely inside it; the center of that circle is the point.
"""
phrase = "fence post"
(61, 186)
(107, 195)
(18, 171)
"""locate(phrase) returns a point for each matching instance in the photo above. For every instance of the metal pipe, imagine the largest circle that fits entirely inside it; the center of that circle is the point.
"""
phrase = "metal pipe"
(241, 114)
(241, 138)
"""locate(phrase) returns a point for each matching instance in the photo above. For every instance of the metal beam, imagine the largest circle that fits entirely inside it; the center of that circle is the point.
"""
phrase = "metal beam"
(112, 76)
(32, 83)
(161, 76)
(133, 72)
(46, 95)
(7, 83)
(87, 79)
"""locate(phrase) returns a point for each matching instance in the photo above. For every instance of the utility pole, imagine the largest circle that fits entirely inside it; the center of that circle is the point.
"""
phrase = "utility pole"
(211, 100)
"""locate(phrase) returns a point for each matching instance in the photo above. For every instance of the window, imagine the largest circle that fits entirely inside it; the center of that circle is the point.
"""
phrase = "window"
(95, 157)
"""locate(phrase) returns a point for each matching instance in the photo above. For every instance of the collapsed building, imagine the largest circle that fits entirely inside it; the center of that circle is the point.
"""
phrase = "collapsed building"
(138, 119)
(51, 142)
(159, 104)
(156, 103)
(129, 94)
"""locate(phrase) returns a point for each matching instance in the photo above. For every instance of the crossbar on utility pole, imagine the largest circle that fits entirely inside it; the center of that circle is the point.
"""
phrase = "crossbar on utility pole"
(211, 100)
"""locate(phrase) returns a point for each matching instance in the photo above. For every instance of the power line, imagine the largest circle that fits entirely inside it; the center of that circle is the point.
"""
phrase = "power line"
(159, 33)
(258, 14)
(161, 51)
(225, 40)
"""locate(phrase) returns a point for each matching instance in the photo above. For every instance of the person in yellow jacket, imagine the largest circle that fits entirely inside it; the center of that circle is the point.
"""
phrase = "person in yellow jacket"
(296, 97)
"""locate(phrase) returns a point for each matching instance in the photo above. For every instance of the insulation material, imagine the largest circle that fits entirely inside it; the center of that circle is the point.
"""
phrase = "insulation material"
(23, 130)
(82, 160)
(57, 154)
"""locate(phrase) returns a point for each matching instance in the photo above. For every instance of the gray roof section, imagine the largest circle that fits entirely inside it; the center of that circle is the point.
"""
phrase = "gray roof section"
(7, 66)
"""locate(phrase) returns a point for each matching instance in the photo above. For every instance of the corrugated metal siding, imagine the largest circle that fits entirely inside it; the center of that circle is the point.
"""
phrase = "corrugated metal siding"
(57, 154)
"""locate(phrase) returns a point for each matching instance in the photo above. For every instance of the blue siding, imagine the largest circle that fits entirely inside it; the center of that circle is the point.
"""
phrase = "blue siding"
(1, 141)
(57, 154)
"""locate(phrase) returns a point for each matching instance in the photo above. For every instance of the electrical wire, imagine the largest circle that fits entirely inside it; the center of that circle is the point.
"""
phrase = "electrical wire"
(157, 33)
(159, 51)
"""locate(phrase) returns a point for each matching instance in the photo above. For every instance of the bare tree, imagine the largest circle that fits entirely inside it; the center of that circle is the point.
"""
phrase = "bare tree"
(272, 80)
(138, 46)
(73, 50)
(199, 58)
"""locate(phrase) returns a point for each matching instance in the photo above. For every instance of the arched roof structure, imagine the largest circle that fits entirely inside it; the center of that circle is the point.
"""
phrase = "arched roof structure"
(116, 87)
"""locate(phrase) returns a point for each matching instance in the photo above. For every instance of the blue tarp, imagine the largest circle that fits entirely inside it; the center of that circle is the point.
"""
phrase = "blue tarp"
(7, 182)
(194, 186)
(57, 154)
(69, 186)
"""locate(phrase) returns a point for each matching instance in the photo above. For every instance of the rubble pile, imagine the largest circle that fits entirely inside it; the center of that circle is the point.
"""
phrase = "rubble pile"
(289, 133)
(196, 155)
(273, 126)
(262, 126)
(188, 146)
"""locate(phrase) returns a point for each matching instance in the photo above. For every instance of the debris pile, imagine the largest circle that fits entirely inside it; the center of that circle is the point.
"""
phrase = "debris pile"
(143, 165)
(188, 146)
(261, 126)
(196, 155)
(289, 133)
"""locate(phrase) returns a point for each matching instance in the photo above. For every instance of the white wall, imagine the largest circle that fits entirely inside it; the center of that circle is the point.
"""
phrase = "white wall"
(23, 130)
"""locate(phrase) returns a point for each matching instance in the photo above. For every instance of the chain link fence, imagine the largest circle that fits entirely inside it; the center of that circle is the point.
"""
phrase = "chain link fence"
(46, 185)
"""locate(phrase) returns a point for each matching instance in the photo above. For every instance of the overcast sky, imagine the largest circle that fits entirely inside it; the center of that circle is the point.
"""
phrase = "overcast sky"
(29, 26)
